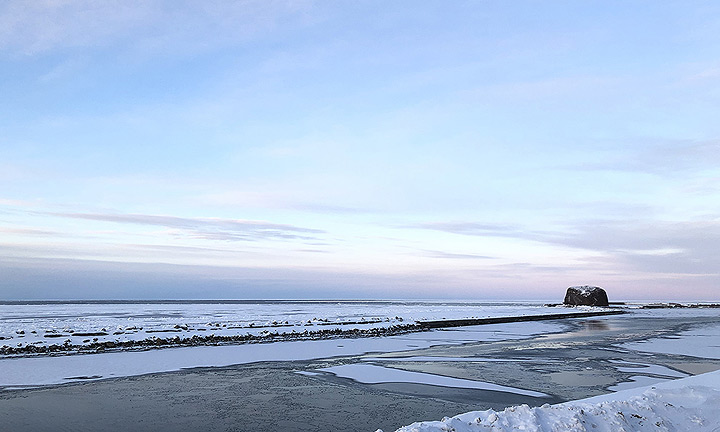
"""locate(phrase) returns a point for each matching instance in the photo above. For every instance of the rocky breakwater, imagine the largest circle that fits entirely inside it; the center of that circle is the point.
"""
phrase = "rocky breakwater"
(154, 342)
(585, 295)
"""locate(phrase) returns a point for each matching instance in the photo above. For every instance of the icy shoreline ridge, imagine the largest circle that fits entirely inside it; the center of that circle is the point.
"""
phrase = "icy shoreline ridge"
(681, 405)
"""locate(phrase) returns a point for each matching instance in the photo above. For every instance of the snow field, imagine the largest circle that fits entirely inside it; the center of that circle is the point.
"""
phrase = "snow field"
(680, 405)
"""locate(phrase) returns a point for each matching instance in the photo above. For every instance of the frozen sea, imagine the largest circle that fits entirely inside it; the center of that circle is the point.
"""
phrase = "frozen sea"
(162, 315)
(77, 323)
(534, 362)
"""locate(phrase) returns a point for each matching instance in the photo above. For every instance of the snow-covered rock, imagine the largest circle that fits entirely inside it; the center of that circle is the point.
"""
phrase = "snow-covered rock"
(585, 295)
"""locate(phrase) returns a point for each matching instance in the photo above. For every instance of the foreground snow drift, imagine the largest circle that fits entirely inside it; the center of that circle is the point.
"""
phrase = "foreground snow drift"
(681, 405)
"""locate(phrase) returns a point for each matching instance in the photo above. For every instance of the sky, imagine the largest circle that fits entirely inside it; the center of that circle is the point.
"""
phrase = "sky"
(301, 149)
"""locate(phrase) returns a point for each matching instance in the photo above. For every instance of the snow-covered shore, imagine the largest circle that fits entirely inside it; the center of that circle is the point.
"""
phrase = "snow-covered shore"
(680, 405)
(68, 328)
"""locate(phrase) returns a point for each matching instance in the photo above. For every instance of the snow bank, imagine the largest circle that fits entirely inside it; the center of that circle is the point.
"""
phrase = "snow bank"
(680, 405)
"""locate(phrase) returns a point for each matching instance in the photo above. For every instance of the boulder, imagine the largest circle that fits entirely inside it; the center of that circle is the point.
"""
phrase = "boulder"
(585, 295)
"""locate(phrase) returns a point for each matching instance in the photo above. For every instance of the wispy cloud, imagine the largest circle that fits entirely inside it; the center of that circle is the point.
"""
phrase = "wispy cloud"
(28, 232)
(209, 228)
(642, 236)
(687, 247)
(43, 25)
(472, 228)
(666, 158)
(460, 256)
(478, 229)
(329, 209)
(12, 203)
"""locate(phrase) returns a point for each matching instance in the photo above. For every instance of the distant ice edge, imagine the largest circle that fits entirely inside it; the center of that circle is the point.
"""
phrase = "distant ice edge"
(680, 405)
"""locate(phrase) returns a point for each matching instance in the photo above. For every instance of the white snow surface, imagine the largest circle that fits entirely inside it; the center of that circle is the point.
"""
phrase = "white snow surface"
(83, 323)
(687, 404)
(585, 290)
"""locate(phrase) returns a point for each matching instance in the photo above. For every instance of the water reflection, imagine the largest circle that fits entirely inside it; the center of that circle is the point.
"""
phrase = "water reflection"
(595, 325)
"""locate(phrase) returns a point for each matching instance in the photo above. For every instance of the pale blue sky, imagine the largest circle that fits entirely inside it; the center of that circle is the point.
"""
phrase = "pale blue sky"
(367, 149)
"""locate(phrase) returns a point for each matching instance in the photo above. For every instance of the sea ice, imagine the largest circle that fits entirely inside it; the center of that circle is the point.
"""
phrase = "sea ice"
(699, 342)
(74, 325)
(374, 374)
(21, 372)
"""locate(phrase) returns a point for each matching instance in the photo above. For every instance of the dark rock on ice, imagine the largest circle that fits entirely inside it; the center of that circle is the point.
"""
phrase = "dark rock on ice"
(585, 295)
(84, 377)
(680, 305)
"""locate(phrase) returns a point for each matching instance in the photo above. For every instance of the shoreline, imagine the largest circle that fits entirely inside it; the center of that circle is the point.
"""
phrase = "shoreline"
(502, 320)
(271, 337)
